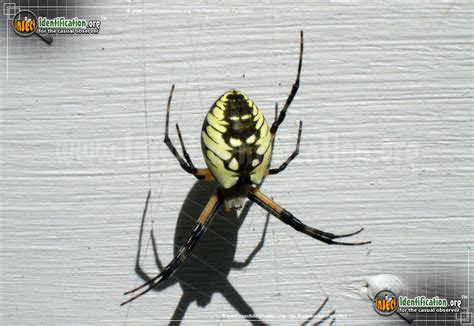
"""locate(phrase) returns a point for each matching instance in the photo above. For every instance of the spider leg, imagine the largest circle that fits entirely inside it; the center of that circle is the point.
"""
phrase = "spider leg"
(273, 139)
(286, 217)
(275, 119)
(203, 221)
(185, 152)
(292, 94)
(292, 156)
(138, 268)
(186, 165)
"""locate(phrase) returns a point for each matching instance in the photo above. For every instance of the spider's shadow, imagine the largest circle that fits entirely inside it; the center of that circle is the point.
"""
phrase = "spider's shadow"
(206, 269)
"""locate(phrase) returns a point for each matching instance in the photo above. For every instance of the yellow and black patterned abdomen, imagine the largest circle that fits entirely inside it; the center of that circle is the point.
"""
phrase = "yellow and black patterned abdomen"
(236, 141)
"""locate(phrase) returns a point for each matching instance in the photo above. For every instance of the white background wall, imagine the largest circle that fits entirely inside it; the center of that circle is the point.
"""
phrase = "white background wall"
(386, 100)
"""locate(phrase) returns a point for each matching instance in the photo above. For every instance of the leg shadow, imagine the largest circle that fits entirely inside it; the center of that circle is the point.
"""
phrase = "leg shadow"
(206, 269)
(322, 319)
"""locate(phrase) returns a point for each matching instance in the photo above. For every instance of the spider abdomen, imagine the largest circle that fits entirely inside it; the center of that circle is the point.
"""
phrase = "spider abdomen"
(236, 140)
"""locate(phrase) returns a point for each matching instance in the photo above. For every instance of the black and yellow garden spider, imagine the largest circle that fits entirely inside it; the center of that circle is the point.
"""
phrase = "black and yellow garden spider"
(237, 146)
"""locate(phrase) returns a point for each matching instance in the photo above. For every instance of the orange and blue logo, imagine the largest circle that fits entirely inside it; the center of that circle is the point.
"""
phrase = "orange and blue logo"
(25, 23)
(385, 303)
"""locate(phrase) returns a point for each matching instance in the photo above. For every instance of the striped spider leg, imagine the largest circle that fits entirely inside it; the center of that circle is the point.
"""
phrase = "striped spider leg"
(187, 165)
(286, 217)
(203, 222)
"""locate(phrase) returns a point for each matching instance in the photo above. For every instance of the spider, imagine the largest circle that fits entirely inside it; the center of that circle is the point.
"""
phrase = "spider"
(237, 144)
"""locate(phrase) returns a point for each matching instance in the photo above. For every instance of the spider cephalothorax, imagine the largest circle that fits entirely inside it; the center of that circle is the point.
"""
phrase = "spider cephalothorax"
(237, 145)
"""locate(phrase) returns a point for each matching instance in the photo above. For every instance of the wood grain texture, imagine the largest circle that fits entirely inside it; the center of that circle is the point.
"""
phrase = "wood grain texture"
(386, 100)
